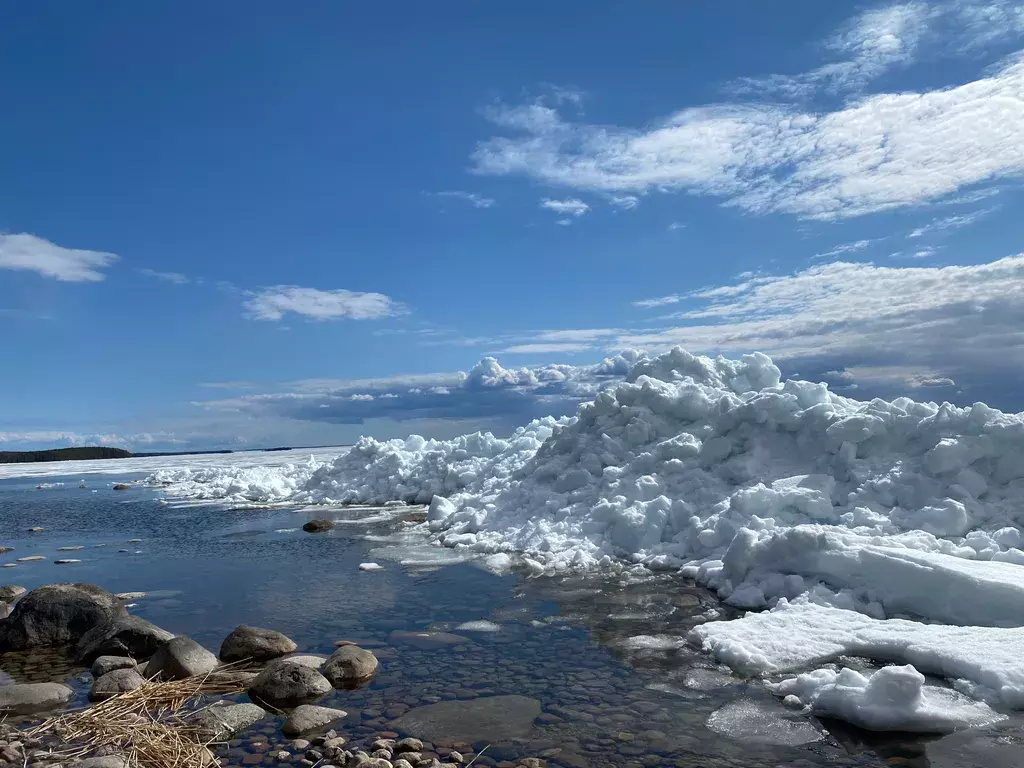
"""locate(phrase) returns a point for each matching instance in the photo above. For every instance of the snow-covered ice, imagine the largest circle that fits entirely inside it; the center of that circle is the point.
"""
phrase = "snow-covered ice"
(835, 516)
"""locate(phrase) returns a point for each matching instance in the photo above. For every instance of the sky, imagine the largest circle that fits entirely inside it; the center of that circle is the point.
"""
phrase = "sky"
(248, 225)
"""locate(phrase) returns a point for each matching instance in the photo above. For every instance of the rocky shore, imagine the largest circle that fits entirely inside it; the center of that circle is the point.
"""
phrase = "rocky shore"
(138, 669)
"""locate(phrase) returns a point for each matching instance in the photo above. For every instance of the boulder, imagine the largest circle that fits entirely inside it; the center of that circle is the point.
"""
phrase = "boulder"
(105, 664)
(106, 761)
(30, 698)
(254, 643)
(180, 657)
(122, 487)
(283, 684)
(57, 614)
(10, 592)
(307, 717)
(124, 636)
(350, 665)
(310, 660)
(222, 721)
(115, 682)
(5, 610)
(489, 718)
(318, 526)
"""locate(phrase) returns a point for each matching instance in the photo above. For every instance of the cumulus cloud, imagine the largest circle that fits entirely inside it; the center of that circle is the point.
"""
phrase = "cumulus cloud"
(477, 201)
(71, 265)
(35, 439)
(176, 278)
(571, 207)
(874, 153)
(275, 302)
(488, 394)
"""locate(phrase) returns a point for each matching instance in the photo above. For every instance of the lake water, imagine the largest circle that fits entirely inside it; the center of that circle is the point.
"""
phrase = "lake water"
(602, 656)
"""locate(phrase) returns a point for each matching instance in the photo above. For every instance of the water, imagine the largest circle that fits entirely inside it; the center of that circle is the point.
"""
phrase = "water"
(605, 658)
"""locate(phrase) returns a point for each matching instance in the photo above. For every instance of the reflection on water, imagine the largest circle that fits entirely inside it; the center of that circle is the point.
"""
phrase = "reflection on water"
(606, 658)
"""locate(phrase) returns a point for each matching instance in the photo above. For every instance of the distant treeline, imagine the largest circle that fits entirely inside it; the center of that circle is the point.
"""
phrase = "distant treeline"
(63, 454)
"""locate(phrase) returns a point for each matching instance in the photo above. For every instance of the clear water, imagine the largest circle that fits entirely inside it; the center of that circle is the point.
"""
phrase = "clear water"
(612, 700)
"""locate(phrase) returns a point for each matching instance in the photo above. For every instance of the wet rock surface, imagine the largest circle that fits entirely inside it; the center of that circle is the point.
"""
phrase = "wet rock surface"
(494, 718)
(256, 644)
(124, 636)
(180, 657)
(57, 614)
(30, 698)
(283, 684)
(308, 717)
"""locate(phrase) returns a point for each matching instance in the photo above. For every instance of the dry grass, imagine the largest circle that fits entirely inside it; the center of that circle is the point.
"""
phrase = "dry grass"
(147, 725)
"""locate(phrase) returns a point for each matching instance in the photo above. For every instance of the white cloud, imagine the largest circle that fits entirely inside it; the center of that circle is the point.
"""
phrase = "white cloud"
(570, 207)
(676, 225)
(477, 201)
(274, 302)
(28, 252)
(859, 245)
(951, 222)
(531, 349)
(564, 222)
(625, 202)
(53, 438)
(168, 277)
(876, 153)
(870, 44)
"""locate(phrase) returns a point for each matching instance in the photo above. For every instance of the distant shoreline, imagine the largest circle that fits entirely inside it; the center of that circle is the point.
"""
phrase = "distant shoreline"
(93, 453)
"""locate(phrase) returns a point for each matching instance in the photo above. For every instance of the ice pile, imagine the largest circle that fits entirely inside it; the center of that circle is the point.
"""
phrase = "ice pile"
(779, 495)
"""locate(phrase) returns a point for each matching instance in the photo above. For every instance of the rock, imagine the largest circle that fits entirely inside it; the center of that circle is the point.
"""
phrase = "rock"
(124, 636)
(10, 565)
(5, 610)
(283, 684)
(409, 745)
(29, 698)
(10, 592)
(310, 660)
(121, 486)
(402, 763)
(456, 757)
(57, 614)
(115, 682)
(36, 529)
(318, 526)
(426, 640)
(78, 548)
(300, 745)
(130, 595)
(66, 561)
(105, 664)
(254, 643)
(31, 559)
(374, 762)
(4, 550)
(108, 761)
(350, 665)
(181, 657)
(222, 721)
(488, 718)
(308, 717)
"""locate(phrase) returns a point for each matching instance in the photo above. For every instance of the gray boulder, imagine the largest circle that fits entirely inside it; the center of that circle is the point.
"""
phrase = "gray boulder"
(105, 664)
(124, 636)
(30, 698)
(488, 718)
(307, 717)
(181, 657)
(310, 660)
(283, 684)
(350, 665)
(5, 610)
(222, 721)
(11, 592)
(254, 643)
(57, 614)
(106, 761)
(115, 682)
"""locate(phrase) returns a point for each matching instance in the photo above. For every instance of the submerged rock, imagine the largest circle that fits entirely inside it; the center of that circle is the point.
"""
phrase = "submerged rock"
(30, 698)
(179, 658)
(255, 643)
(222, 721)
(350, 665)
(121, 486)
(115, 682)
(124, 636)
(307, 717)
(427, 640)
(318, 526)
(284, 684)
(57, 614)
(488, 718)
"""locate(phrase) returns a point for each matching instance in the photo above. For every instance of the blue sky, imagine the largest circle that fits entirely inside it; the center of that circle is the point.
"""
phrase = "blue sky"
(239, 224)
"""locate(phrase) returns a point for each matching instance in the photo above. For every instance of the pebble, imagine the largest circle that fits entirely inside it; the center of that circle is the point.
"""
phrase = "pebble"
(300, 745)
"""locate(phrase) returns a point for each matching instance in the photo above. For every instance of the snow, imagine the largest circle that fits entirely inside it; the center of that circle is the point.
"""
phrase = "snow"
(849, 523)
(371, 567)
(891, 699)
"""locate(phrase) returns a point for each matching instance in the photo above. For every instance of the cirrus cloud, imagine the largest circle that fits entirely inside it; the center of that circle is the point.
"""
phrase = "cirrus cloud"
(275, 302)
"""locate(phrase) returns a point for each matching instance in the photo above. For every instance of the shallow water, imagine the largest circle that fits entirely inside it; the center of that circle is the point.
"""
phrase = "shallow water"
(604, 657)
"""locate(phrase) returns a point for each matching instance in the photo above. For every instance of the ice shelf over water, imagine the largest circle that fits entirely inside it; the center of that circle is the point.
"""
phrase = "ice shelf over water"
(834, 516)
